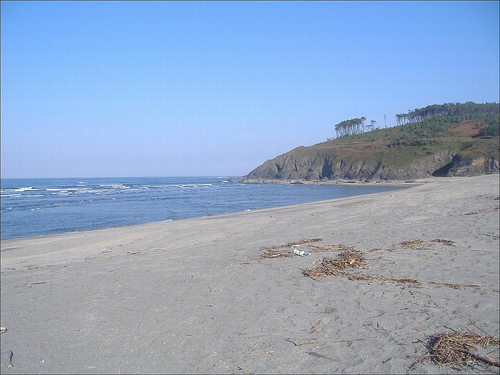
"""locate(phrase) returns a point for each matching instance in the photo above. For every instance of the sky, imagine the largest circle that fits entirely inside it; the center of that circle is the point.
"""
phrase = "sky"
(161, 88)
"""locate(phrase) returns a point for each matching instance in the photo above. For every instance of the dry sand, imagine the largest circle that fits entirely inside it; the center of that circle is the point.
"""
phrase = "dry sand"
(195, 296)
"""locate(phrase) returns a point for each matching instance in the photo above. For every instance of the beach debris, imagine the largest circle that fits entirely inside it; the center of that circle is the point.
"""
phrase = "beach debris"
(37, 283)
(277, 254)
(9, 358)
(301, 253)
(316, 327)
(423, 245)
(412, 244)
(274, 252)
(266, 352)
(349, 258)
(354, 340)
(3, 329)
(284, 254)
(304, 241)
(444, 242)
(377, 250)
(291, 244)
(329, 248)
(457, 349)
(483, 210)
(409, 281)
(301, 341)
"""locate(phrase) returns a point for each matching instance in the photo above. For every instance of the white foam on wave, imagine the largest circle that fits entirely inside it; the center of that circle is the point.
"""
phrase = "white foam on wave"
(65, 193)
(29, 188)
(115, 186)
(83, 190)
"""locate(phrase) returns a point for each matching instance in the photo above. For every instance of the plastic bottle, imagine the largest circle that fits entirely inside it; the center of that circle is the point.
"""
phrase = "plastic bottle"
(302, 253)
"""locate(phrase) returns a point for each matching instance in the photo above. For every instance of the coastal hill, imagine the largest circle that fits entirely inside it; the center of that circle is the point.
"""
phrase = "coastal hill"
(452, 139)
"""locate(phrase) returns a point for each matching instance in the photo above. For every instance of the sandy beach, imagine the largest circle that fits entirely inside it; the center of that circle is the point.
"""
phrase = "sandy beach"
(196, 296)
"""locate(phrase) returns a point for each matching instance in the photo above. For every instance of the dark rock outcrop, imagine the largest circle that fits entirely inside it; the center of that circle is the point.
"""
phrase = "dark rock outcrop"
(326, 167)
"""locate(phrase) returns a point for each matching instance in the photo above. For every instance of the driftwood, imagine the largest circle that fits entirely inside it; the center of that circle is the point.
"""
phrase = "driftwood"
(488, 360)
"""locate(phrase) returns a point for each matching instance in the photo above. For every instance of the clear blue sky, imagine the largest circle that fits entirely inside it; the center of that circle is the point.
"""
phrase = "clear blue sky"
(217, 88)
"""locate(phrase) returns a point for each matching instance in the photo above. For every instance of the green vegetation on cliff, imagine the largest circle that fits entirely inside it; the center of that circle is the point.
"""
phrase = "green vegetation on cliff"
(440, 140)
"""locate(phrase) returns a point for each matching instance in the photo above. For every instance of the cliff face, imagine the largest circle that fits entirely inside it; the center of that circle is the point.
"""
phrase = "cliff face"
(330, 167)
(444, 146)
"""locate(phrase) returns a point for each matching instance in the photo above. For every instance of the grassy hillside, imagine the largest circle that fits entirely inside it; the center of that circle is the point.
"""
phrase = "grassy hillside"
(444, 144)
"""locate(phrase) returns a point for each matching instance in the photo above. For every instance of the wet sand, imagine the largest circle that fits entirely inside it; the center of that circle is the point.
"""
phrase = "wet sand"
(195, 296)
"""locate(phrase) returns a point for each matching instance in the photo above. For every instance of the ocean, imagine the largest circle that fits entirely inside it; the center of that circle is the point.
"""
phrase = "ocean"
(36, 207)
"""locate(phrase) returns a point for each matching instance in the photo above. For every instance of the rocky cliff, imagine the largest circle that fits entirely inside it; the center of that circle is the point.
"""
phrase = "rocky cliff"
(398, 153)
(325, 167)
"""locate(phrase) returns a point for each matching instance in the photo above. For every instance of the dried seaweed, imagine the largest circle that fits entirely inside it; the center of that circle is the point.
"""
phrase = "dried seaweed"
(444, 242)
(378, 249)
(349, 258)
(290, 244)
(336, 267)
(412, 244)
(316, 327)
(423, 245)
(329, 248)
(409, 281)
(304, 241)
(483, 210)
(276, 254)
(457, 349)
(301, 341)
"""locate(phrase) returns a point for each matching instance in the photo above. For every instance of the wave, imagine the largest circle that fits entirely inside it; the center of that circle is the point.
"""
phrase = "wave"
(115, 186)
(29, 188)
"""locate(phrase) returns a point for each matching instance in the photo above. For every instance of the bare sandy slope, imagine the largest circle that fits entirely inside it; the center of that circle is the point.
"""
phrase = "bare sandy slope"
(195, 296)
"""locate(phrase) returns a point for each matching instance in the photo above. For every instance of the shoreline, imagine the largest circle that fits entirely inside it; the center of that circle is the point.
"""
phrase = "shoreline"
(401, 183)
(338, 182)
(196, 295)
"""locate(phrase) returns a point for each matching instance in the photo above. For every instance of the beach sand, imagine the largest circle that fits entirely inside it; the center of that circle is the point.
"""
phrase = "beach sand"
(195, 296)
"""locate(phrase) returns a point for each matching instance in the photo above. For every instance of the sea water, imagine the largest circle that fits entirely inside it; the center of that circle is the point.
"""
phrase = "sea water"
(35, 207)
